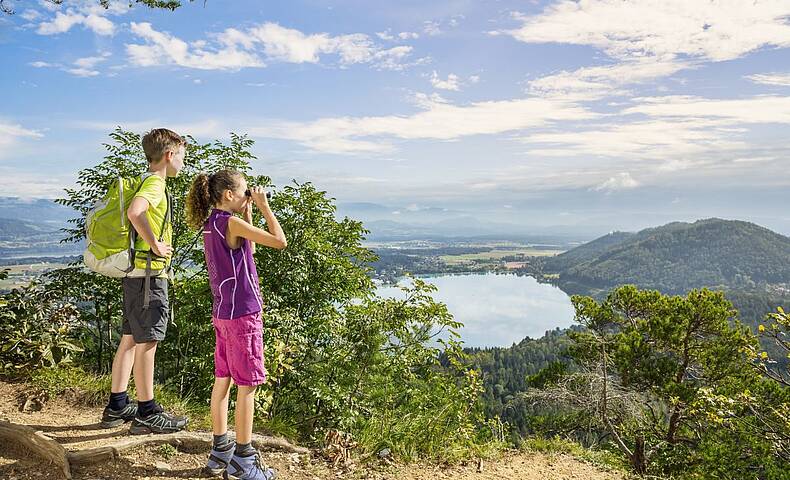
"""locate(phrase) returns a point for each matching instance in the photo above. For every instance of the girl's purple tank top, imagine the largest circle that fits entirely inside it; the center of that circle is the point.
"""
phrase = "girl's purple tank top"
(231, 271)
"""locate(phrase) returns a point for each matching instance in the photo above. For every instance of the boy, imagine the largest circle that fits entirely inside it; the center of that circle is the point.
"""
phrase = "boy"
(145, 303)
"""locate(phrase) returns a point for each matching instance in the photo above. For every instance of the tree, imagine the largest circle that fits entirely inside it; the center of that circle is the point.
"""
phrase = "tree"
(650, 364)
(164, 4)
(337, 355)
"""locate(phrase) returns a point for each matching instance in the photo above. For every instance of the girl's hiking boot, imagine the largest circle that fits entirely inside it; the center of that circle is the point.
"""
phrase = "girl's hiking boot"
(218, 460)
(157, 421)
(248, 468)
(112, 418)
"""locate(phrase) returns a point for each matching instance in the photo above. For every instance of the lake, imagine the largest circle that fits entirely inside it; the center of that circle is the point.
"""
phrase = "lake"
(498, 310)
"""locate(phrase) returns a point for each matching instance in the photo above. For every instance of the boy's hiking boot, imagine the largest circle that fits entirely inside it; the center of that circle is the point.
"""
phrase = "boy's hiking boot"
(112, 418)
(219, 459)
(248, 468)
(157, 421)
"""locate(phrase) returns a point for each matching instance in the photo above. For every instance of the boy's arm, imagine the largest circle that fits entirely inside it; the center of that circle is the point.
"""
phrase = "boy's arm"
(136, 215)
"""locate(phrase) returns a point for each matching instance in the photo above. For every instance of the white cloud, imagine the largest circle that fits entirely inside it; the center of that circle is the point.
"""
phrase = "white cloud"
(391, 37)
(776, 79)
(208, 128)
(99, 24)
(649, 39)
(82, 67)
(438, 121)
(290, 45)
(451, 83)
(82, 72)
(11, 133)
(90, 62)
(386, 35)
(714, 30)
(396, 59)
(60, 24)
(164, 49)
(659, 145)
(30, 15)
(591, 83)
(15, 182)
(431, 28)
(235, 49)
(63, 22)
(754, 110)
(621, 181)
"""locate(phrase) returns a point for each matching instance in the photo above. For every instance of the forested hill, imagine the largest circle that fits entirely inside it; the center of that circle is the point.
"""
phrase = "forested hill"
(679, 256)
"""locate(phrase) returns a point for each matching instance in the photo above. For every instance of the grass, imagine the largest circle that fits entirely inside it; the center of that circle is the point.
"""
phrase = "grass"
(599, 457)
(93, 390)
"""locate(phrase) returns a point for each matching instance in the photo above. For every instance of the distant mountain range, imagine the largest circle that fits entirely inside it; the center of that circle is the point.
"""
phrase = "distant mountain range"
(40, 211)
(31, 228)
(676, 257)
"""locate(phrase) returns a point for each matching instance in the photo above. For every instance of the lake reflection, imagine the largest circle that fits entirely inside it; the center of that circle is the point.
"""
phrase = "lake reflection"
(498, 310)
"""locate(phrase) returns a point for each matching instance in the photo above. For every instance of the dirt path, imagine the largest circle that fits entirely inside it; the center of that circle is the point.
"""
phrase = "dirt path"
(76, 427)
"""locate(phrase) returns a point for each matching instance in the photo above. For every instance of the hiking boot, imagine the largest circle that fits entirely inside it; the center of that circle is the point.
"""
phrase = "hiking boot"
(112, 418)
(158, 421)
(248, 468)
(218, 460)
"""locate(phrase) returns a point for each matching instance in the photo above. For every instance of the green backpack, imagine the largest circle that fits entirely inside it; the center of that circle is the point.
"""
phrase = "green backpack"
(109, 232)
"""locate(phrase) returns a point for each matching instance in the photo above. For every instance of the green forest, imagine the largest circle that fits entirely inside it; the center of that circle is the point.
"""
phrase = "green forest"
(663, 376)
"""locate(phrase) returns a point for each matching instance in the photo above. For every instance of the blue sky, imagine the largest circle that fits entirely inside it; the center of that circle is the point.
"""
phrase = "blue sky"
(604, 113)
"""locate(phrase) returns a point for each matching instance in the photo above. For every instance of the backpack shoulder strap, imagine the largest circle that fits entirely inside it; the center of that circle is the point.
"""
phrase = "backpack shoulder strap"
(168, 214)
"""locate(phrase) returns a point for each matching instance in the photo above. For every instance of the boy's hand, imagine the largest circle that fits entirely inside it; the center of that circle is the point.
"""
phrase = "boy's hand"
(162, 249)
(259, 197)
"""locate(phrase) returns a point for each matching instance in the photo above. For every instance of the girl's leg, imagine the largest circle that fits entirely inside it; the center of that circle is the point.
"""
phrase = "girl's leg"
(245, 410)
(219, 404)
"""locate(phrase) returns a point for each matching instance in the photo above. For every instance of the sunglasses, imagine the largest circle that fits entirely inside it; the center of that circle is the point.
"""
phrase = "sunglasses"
(248, 193)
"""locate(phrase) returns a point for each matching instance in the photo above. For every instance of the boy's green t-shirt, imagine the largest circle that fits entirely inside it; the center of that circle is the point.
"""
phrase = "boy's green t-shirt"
(153, 190)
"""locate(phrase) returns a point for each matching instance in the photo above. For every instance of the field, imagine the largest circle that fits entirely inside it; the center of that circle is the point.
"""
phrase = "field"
(19, 275)
(498, 254)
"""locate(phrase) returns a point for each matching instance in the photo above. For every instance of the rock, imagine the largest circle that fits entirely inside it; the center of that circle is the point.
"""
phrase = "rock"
(162, 466)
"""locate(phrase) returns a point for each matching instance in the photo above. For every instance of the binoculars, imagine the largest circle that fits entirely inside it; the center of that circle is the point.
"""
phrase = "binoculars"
(248, 193)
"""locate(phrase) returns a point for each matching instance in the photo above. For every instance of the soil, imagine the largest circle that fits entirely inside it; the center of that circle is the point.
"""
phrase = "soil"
(75, 426)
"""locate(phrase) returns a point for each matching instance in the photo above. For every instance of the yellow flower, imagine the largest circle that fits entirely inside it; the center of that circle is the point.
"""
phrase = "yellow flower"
(761, 328)
(764, 355)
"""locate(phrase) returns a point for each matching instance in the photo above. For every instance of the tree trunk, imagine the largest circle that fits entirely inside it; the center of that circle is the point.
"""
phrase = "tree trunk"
(638, 459)
(37, 443)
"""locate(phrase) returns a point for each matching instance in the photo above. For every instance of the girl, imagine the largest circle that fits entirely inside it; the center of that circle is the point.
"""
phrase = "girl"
(238, 357)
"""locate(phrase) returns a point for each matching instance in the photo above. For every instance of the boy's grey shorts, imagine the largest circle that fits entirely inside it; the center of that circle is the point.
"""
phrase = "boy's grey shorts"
(145, 325)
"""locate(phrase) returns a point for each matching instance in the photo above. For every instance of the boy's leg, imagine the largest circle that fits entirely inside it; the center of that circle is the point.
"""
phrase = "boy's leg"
(145, 353)
(122, 364)
(148, 326)
(119, 409)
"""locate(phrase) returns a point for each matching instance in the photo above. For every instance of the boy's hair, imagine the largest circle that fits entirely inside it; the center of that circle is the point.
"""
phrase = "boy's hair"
(159, 141)
(206, 192)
